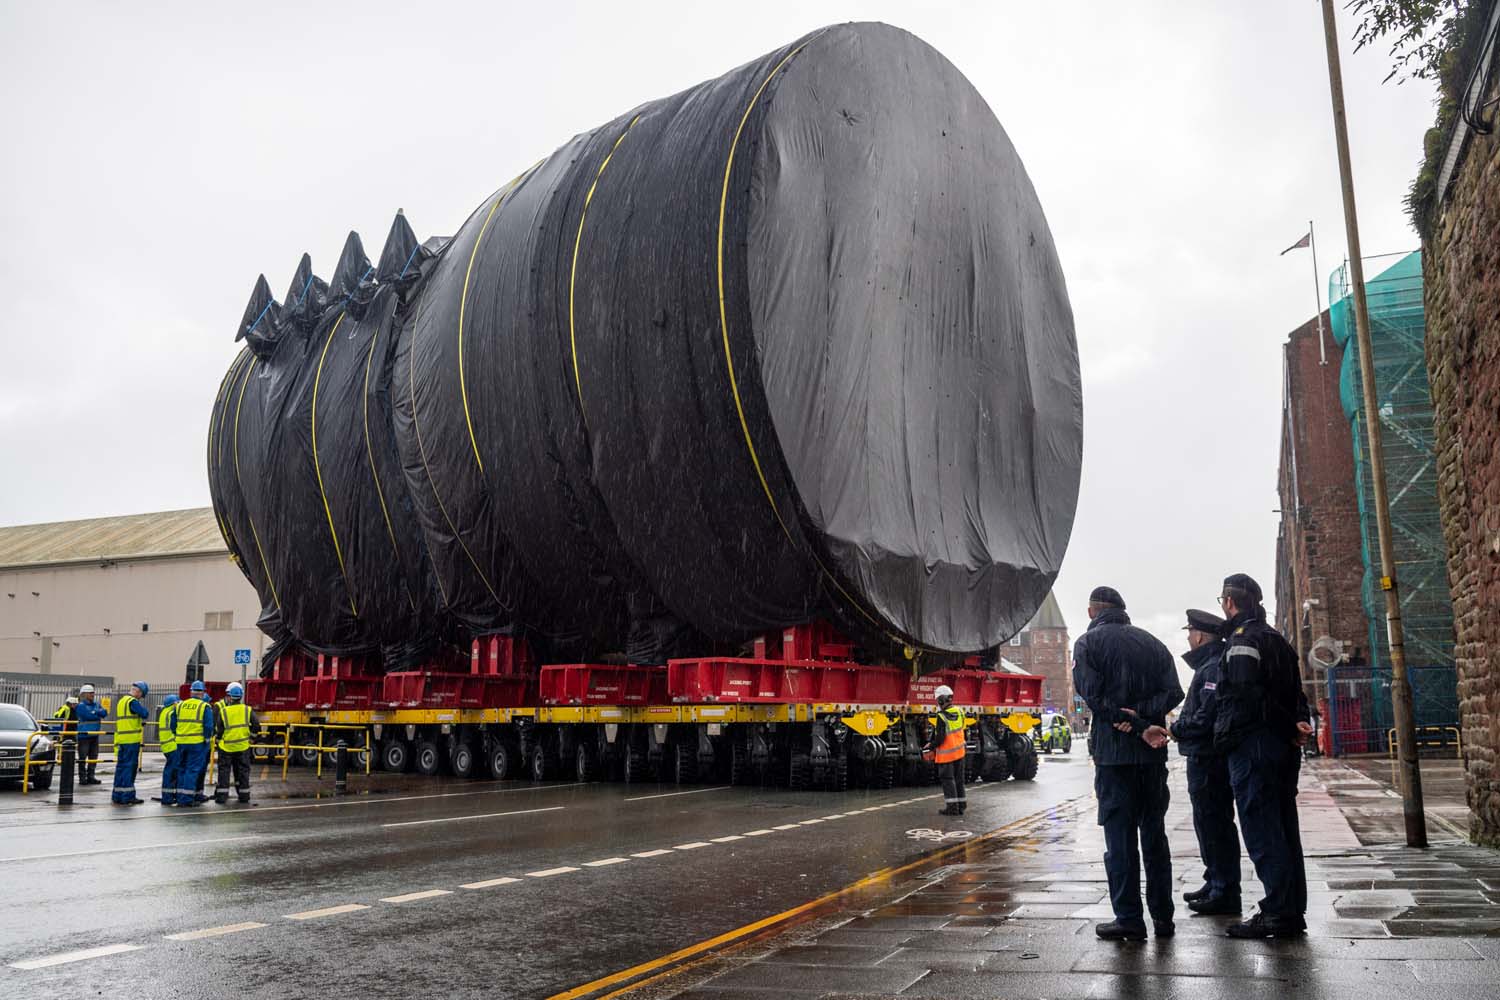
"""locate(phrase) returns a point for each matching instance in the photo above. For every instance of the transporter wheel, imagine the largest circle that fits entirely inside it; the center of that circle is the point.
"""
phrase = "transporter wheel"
(739, 763)
(637, 766)
(261, 755)
(885, 772)
(395, 755)
(308, 755)
(799, 769)
(971, 768)
(502, 761)
(1023, 759)
(838, 774)
(429, 760)
(684, 764)
(585, 764)
(541, 764)
(996, 767)
(462, 760)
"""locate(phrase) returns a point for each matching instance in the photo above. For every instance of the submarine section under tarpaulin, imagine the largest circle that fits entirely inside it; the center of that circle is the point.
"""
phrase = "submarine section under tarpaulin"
(791, 344)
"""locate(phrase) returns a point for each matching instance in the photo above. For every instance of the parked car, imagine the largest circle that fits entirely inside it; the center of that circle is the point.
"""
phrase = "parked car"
(1054, 734)
(17, 729)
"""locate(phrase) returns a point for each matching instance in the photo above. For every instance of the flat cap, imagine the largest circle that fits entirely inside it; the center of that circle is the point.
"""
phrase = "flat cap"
(1203, 621)
(1107, 595)
(1243, 581)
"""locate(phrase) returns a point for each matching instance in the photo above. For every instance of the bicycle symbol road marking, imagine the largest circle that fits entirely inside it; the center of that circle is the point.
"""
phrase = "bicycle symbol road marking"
(925, 833)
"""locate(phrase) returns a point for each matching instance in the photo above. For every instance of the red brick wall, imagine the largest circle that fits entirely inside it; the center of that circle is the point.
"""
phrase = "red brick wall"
(1462, 280)
(1318, 553)
(1045, 651)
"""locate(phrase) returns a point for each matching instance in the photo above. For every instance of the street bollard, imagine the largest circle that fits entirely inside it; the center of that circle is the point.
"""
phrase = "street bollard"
(65, 788)
(341, 770)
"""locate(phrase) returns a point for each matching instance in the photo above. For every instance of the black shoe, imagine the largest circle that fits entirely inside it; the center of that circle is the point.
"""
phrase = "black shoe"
(1116, 931)
(949, 811)
(136, 802)
(1216, 905)
(1164, 928)
(221, 801)
(1262, 926)
(1197, 894)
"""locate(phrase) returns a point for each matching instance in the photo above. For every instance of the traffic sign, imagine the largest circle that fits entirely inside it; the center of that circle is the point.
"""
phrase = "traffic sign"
(241, 656)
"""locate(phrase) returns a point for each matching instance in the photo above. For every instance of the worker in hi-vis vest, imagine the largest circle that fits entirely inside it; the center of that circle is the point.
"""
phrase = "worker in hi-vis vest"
(947, 750)
(130, 724)
(168, 740)
(234, 724)
(193, 726)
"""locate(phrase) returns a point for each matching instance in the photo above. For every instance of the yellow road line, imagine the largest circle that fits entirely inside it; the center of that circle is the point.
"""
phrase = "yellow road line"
(661, 965)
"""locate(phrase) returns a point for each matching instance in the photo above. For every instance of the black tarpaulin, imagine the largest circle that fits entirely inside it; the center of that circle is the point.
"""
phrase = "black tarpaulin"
(792, 343)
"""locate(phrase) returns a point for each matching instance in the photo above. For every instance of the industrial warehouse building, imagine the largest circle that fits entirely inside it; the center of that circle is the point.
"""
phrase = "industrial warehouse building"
(124, 597)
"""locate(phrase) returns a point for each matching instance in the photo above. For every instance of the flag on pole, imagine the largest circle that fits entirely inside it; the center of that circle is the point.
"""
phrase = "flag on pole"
(1298, 245)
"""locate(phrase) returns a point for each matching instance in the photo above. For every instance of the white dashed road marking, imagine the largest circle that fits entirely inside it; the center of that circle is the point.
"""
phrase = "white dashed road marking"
(605, 862)
(653, 854)
(460, 819)
(786, 826)
(725, 840)
(412, 897)
(758, 833)
(213, 932)
(75, 956)
(809, 822)
(691, 847)
(549, 872)
(328, 911)
(138, 847)
(490, 883)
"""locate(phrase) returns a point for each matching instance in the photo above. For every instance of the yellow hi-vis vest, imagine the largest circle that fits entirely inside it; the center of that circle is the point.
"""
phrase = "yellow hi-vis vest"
(164, 734)
(236, 736)
(127, 723)
(952, 747)
(189, 721)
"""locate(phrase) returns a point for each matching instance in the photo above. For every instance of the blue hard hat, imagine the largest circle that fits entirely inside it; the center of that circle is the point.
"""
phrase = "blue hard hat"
(145, 688)
(234, 690)
(198, 686)
(170, 699)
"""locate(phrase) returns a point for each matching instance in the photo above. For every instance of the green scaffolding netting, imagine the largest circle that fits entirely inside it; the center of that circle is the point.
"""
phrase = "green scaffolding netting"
(1404, 408)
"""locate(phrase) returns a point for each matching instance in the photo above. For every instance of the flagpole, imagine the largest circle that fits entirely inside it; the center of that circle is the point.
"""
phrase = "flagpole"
(1317, 292)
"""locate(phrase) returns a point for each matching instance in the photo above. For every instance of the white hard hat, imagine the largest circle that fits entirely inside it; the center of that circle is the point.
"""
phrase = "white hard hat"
(72, 699)
(86, 689)
(943, 691)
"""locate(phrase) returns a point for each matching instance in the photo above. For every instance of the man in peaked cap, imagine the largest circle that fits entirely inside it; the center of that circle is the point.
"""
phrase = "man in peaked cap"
(1208, 771)
(1260, 722)
(1129, 682)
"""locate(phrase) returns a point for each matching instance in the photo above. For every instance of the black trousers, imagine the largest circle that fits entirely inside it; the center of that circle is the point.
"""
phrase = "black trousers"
(1213, 821)
(953, 784)
(1264, 770)
(237, 761)
(1133, 802)
(88, 756)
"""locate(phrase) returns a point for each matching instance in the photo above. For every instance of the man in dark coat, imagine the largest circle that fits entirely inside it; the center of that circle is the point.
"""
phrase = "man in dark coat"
(1208, 771)
(1129, 682)
(1260, 723)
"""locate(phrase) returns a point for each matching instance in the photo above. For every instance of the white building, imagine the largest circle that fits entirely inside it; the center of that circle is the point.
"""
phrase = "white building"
(128, 597)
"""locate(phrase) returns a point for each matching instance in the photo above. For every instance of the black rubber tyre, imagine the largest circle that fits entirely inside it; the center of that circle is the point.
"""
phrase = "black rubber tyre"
(261, 755)
(541, 764)
(503, 761)
(462, 759)
(395, 756)
(427, 758)
(1023, 759)
(838, 773)
(684, 764)
(585, 764)
(637, 770)
(997, 767)
(971, 768)
(308, 756)
(1067, 743)
(739, 763)
(799, 769)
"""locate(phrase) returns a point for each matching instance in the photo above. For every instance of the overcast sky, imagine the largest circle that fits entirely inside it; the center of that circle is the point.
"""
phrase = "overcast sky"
(158, 157)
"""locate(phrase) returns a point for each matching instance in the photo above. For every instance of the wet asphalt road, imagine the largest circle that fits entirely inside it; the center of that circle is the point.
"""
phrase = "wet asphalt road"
(605, 877)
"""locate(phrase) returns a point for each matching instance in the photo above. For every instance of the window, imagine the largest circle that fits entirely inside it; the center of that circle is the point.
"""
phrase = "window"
(218, 621)
(1015, 640)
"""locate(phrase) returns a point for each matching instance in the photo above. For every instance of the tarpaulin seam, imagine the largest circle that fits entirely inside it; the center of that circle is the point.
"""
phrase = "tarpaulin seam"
(416, 425)
(254, 532)
(729, 357)
(318, 466)
(375, 475)
(463, 301)
(215, 436)
(577, 245)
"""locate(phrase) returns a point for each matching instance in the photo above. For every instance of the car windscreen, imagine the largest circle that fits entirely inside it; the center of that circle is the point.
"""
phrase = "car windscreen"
(16, 718)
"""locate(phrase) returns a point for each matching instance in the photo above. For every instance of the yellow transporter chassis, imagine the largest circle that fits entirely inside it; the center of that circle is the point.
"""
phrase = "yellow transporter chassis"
(822, 745)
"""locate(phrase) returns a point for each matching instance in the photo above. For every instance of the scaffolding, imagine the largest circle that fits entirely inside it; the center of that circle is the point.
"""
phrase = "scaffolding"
(1397, 329)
